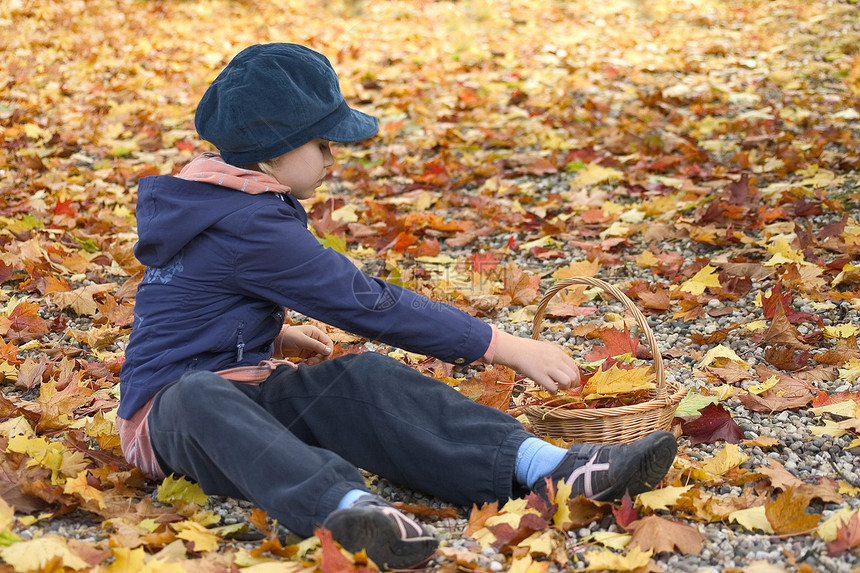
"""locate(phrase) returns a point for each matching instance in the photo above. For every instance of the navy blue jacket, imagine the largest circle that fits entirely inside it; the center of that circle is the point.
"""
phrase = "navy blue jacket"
(221, 267)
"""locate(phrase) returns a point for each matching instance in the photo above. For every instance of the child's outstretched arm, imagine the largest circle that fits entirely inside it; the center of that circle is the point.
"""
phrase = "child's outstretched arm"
(543, 362)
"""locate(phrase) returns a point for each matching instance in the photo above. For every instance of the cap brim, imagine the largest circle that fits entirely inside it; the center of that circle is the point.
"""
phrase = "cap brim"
(357, 126)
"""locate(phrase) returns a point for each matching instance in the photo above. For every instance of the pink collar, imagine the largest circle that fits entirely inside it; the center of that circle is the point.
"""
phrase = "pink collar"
(210, 168)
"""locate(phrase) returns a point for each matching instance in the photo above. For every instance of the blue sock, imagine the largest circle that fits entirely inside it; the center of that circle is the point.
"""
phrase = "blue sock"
(535, 460)
(350, 498)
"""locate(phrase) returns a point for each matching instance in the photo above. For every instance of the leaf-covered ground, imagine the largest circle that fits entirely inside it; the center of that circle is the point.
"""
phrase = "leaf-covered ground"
(703, 155)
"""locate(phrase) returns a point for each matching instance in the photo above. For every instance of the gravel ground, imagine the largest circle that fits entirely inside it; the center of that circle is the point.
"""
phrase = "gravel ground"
(807, 456)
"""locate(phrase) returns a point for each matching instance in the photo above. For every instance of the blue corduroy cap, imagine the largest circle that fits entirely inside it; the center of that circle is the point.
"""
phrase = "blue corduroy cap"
(272, 98)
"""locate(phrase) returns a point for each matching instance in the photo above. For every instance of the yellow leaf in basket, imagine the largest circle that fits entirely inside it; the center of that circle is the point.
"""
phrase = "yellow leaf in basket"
(617, 381)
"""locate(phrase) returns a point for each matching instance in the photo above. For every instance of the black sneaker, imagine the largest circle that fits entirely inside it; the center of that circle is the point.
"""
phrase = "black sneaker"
(391, 540)
(604, 473)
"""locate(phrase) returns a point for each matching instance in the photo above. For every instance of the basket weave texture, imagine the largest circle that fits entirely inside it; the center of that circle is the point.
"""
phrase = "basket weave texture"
(621, 424)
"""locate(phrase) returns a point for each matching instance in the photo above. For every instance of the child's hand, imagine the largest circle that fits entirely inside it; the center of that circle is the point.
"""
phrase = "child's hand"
(543, 362)
(305, 341)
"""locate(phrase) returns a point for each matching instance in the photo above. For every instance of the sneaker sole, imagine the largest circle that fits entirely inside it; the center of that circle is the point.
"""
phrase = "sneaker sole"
(375, 534)
(658, 452)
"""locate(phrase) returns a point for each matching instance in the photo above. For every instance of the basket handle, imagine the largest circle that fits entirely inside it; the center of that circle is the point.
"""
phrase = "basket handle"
(623, 299)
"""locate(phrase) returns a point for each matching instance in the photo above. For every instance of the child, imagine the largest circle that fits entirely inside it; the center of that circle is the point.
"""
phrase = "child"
(206, 394)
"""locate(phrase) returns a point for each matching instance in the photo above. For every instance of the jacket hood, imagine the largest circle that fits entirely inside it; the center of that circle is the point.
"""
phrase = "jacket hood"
(171, 212)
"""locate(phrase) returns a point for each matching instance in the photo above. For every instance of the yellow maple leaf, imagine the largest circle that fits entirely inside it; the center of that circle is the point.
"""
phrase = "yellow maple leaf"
(647, 259)
(34, 555)
(202, 538)
(752, 518)
(8, 371)
(17, 426)
(617, 229)
(827, 529)
(180, 489)
(846, 488)
(830, 427)
(50, 455)
(849, 272)
(851, 371)
(721, 351)
(617, 381)
(126, 560)
(578, 269)
(544, 542)
(97, 425)
(707, 276)
(592, 174)
(606, 559)
(562, 496)
(763, 386)
(784, 254)
(528, 565)
(723, 391)
(727, 458)
(662, 498)
(609, 539)
(484, 537)
(845, 408)
(7, 515)
(79, 485)
(841, 331)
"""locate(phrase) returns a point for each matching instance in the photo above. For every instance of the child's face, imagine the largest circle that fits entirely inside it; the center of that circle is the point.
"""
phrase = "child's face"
(303, 168)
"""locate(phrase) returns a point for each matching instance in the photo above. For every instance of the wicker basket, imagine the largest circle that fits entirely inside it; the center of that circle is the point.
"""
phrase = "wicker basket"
(620, 424)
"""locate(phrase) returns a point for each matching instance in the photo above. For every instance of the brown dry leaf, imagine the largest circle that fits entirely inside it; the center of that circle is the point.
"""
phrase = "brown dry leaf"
(658, 300)
(31, 373)
(729, 371)
(761, 442)
(781, 331)
(81, 299)
(56, 407)
(583, 511)
(772, 402)
(665, 536)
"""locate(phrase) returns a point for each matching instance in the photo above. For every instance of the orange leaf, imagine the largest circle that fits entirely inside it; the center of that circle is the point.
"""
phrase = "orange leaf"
(479, 516)
(491, 387)
(787, 514)
(333, 560)
(421, 509)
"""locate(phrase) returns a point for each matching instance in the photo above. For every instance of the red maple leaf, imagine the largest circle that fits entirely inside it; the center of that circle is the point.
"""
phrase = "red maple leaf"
(24, 324)
(65, 208)
(617, 343)
(484, 262)
(777, 298)
(714, 424)
(847, 536)
(627, 513)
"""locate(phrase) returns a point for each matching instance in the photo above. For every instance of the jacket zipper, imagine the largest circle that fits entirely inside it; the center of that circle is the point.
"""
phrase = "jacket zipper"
(240, 343)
